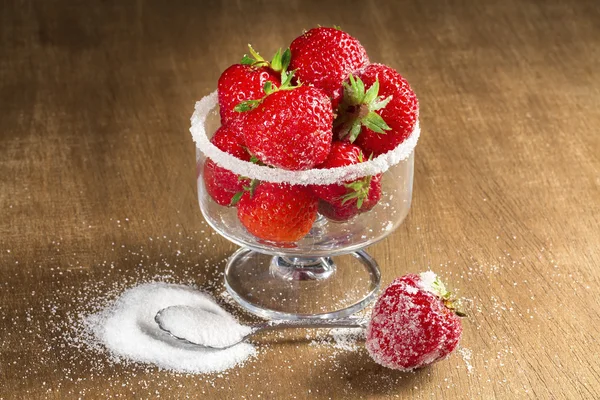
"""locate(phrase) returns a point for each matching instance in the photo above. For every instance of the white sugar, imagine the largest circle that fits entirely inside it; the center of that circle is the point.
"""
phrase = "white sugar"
(378, 165)
(348, 338)
(427, 281)
(128, 330)
(466, 355)
(200, 326)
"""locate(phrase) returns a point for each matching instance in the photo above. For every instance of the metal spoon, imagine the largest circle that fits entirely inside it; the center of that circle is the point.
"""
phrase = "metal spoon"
(351, 322)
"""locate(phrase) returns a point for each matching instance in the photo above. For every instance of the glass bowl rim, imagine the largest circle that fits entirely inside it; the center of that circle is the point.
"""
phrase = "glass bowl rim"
(377, 165)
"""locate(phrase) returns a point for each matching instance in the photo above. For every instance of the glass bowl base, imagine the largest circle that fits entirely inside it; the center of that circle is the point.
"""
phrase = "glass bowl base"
(278, 287)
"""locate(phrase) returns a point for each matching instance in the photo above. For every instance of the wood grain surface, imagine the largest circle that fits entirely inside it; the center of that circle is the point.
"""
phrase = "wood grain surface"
(97, 189)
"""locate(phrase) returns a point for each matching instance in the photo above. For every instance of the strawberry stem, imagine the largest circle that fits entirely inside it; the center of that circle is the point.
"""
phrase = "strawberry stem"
(358, 107)
(359, 190)
(279, 63)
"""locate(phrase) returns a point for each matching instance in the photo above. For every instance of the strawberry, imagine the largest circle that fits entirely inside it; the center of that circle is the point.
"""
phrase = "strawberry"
(278, 212)
(379, 109)
(324, 57)
(338, 213)
(343, 201)
(414, 323)
(245, 81)
(220, 183)
(242, 82)
(341, 212)
(289, 128)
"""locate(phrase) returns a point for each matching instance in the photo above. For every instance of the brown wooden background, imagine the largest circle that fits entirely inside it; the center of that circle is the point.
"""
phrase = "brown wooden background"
(97, 187)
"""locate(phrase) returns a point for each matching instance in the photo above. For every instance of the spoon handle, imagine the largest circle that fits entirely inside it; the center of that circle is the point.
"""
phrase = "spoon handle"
(313, 323)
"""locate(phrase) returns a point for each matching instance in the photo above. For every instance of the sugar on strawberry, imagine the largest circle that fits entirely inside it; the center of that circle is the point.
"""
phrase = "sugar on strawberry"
(279, 213)
(343, 201)
(324, 57)
(414, 323)
(379, 109)
(220, 183)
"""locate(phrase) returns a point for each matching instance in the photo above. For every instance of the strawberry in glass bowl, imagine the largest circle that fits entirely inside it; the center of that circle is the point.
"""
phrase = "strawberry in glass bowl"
(304, 161)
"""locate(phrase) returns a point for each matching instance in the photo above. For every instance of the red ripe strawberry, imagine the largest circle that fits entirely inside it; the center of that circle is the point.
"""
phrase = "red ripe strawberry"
(414, 323)
(278, 212)
(344, 201)
(290, 129)
(381, 117)
(324, 57)
(341, 212)
(239, 83)
(220, 183)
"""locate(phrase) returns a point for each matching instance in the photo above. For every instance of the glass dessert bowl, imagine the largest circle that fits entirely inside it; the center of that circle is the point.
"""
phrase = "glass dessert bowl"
(326, 273)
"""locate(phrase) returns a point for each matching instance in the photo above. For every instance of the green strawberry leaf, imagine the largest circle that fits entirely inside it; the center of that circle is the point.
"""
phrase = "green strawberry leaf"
(253, 185)
(354, 92)
(350, 91)
(360, 90)
(371, 94)
(268, 87)
(236, 198)
(347, 99)
(286, 81)
(355, 185)
(276, 62)
(247, 60)
(354, 131)
(246, 105)
(254, 54)
(359, 202)
(286, 57)
(374, 122)
(349, 196)
(359, 190)
(380, 103)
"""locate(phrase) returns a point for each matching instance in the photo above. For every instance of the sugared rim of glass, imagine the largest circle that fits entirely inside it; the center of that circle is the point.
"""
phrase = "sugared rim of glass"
(377, 165)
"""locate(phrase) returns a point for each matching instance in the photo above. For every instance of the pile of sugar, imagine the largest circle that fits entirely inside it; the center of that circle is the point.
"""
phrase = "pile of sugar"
(201, 326)
(127, 329)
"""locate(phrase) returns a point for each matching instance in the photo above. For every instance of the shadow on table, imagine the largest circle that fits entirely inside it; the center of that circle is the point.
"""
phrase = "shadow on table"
(363, 376)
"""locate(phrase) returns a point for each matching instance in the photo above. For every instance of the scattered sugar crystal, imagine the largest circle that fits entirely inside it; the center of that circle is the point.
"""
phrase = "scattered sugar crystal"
(347, 338)
(466, 354)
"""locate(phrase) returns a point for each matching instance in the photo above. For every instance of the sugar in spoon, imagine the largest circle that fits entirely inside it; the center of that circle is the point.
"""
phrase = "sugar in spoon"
(200, 327)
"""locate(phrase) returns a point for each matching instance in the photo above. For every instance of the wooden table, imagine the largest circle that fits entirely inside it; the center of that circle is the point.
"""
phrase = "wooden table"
(97, 188)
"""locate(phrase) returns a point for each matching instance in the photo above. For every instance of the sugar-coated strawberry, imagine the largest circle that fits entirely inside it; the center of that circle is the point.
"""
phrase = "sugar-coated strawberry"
(279, 213)
(379, 109)
(290, 128)
(239, 83)
(342, 201)
(220, 183)
(414, 323)
(324, 57)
